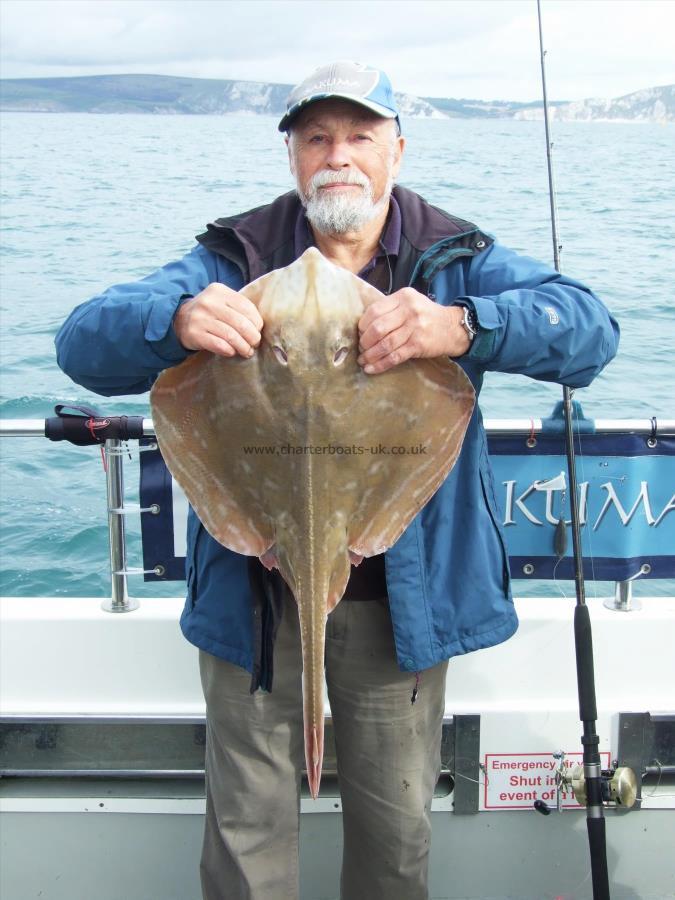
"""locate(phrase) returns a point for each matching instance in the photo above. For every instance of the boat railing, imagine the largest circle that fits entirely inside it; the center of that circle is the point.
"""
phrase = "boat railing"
(651, 429)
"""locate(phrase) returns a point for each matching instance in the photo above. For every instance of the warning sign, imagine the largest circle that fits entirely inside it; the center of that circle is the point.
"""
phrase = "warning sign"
(516, 780)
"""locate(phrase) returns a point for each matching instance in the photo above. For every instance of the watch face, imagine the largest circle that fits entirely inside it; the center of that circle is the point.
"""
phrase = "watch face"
(470, 322)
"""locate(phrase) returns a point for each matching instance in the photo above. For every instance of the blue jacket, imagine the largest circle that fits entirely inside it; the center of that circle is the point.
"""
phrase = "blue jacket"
(447, 576)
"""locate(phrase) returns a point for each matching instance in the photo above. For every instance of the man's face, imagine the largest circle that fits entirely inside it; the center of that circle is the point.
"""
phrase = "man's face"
(344, 159)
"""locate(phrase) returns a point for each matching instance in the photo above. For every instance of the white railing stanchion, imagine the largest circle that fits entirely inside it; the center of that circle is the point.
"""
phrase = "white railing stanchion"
(119, 600)
(623, 592)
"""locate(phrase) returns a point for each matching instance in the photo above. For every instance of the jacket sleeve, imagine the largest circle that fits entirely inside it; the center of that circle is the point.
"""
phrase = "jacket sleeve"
(537, 322)
(119, 341)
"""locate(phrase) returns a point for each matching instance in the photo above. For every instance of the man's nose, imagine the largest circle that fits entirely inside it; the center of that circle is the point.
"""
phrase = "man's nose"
(338, 155)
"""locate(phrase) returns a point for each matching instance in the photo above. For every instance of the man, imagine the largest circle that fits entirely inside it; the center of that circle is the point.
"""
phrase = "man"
(443, 589)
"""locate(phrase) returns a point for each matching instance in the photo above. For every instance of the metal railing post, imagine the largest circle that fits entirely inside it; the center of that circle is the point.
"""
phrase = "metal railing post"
(623, 597)
(623, 592)
(119, 599)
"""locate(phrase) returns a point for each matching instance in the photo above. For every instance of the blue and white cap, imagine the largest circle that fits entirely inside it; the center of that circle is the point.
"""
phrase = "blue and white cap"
(348, 80)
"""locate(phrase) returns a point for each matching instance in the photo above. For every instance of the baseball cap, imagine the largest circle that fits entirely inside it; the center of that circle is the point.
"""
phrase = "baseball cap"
(349, 80)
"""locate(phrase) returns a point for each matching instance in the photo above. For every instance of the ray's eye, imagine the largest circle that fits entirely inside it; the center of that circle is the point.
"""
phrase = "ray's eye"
(340, 356)
(280, 354)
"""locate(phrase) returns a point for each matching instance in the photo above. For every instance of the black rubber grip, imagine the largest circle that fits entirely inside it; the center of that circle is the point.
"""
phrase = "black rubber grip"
(84, 431)
(598, 849)
(583, 642)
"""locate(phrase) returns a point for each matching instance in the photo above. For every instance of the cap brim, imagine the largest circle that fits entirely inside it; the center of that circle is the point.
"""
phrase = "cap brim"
(294, 111)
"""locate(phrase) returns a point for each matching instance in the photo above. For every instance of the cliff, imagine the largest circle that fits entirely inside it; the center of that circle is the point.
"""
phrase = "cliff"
(163, 94)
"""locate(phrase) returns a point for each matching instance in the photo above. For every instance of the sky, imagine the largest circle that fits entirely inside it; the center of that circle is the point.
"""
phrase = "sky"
(479, 49)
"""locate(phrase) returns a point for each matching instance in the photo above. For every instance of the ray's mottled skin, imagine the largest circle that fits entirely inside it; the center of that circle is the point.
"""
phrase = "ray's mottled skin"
(291, 455)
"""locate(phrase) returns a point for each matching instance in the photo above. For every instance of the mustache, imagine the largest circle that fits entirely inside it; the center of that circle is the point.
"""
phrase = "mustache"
(328, 176)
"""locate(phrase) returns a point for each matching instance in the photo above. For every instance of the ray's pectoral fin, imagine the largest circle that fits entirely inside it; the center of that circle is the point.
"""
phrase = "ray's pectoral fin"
(415, 416)
(201, 429)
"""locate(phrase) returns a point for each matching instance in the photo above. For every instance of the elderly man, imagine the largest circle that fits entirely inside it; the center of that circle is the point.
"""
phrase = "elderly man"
(443, 589)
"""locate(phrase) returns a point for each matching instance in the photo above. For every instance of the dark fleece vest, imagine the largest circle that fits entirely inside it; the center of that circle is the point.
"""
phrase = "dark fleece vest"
(263, 239)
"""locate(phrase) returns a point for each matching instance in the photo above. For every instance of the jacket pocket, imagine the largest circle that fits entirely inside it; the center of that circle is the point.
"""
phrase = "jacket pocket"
(491, 504)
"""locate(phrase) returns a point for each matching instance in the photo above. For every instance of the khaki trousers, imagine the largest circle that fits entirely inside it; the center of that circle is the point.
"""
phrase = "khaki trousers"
(388, 752)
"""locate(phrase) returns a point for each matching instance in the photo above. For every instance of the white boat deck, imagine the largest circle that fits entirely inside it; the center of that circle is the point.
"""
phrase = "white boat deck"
(138, 839)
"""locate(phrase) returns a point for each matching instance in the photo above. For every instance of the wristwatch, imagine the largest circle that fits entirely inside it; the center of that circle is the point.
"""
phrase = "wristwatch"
(470, 323)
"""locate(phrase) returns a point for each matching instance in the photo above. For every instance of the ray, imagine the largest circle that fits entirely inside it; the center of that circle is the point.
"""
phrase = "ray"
(294, 455)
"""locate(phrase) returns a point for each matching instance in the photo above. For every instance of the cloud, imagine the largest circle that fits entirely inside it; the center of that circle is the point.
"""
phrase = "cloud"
(77, 32)
(484, 49)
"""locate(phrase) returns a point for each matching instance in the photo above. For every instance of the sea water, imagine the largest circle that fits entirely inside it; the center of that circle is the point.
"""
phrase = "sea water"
(93, 200)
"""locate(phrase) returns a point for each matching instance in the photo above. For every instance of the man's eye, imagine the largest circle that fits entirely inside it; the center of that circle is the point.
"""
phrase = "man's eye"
(362, 137)
(316, 139)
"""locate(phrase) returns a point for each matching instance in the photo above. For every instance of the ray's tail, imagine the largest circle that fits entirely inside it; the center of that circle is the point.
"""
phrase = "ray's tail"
(312, 697)
(314, 756)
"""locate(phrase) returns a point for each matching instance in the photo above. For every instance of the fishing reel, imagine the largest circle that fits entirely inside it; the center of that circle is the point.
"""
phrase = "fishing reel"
(619, 786)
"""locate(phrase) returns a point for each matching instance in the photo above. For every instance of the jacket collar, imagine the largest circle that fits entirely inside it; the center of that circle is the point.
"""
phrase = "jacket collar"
(263, 238)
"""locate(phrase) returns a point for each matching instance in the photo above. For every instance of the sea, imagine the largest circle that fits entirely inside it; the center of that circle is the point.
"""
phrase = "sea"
(93, 200)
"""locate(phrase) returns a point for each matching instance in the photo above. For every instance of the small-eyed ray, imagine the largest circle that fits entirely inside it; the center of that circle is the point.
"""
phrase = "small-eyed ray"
(296, 456)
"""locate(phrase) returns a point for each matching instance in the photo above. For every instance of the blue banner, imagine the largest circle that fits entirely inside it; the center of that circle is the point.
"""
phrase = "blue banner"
(625, 490)
(626, 497)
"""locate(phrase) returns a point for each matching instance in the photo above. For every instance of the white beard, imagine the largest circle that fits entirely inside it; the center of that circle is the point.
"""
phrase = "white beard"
(338, 212)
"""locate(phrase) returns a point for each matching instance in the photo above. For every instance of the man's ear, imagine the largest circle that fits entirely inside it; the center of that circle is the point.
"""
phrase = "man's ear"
(398, 155)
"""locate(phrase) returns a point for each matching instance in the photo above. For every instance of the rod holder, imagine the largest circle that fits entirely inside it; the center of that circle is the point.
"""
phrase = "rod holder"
(623, 592)
(119, 601)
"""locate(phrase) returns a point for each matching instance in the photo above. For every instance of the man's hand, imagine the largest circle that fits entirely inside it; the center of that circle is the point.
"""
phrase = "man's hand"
(408, 325)
(220, 320)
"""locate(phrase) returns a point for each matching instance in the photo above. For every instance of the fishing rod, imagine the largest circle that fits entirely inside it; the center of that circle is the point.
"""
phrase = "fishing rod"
(596, 785)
